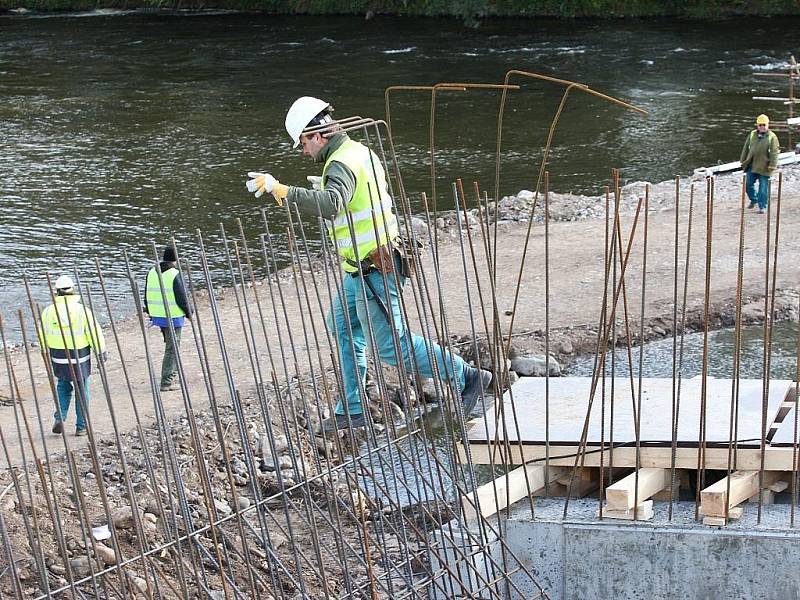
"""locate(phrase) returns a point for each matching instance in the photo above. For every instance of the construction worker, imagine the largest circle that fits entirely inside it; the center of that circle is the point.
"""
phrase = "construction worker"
(69, 331)
(353, 183)
(175, 308)
(759, 161)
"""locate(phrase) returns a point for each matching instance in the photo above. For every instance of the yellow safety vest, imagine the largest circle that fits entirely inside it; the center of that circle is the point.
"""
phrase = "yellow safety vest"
(68, 324)
(370, 208)
(155, 301)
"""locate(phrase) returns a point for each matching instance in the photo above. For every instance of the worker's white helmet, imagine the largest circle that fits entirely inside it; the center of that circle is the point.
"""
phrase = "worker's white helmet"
(64, 283)
(301, 113)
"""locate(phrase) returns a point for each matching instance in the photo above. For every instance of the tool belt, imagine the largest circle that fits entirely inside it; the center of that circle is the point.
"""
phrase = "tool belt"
(382, 259)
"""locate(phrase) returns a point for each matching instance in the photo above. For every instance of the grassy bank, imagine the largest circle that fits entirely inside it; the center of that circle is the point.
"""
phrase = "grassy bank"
(469, 10)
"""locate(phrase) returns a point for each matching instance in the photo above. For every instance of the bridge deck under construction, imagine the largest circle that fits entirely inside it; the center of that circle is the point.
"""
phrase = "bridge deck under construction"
(542, 420)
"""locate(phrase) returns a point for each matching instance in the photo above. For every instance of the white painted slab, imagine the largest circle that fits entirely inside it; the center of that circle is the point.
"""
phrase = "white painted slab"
(569, 399)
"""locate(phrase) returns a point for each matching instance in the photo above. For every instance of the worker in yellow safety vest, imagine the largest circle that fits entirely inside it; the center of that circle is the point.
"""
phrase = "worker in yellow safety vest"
(353, 193)
(69, 331)
(172, 305)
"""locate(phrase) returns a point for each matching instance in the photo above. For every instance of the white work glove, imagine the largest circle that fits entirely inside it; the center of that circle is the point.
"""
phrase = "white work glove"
(260, 183)
(315, 181)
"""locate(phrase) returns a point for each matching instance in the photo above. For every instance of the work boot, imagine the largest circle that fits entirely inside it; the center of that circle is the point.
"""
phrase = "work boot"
(752, 205)
(80, 432)
(761, 211)
(170, 387)
(340, 422)
(477, 383)
(58, 427)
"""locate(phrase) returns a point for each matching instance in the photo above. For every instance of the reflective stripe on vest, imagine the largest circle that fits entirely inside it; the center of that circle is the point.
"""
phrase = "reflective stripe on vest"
(66, 324)
(59, 356)
(370, 199)
(155, 301)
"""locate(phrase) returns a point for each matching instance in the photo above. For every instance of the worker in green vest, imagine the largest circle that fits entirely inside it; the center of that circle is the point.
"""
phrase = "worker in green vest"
(759, 160)
(69, 331)
(172, 305)
(353, 193)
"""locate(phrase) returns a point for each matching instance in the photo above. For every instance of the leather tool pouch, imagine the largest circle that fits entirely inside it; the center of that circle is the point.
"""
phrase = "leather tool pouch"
(382, 258)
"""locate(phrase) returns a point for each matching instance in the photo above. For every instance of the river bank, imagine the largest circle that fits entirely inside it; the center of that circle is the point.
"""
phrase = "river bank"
(470, 12)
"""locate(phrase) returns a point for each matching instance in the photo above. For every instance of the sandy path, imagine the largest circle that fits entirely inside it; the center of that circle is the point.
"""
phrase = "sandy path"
(576, 286)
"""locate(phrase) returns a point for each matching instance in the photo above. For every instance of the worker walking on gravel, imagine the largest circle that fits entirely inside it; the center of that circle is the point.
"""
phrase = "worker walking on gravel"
(353, 192)
(69, 331)
(759, 161)
(172, 305)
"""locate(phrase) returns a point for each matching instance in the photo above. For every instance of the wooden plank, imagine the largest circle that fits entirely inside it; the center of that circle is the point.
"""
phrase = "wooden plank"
(622, 494)
(779, 486)
(767, 497)
(509, 488)
(734, 513)
(720, 495)
(643, 512)
(776, 458)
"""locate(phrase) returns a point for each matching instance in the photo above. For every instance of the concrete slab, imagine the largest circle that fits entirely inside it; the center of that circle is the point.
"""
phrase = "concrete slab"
(568, 402)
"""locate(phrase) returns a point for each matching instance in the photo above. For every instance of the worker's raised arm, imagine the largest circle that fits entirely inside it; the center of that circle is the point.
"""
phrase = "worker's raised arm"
(339, 185)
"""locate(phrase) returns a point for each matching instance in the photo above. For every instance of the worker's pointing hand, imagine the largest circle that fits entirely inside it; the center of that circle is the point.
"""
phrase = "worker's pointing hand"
(260, 183)
(264, 182)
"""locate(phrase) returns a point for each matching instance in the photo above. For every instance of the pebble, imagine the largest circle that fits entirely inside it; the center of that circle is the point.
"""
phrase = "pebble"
(243, 502)
(80, 567)
(123, 517)
(222, 506)
(106, 554)
(535, 366)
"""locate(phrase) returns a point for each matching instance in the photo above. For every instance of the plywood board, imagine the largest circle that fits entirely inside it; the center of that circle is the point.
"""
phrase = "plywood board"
(569, 400)
(507, 489)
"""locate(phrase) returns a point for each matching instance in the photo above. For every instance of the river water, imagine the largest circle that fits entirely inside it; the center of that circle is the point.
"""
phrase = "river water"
(119, 129)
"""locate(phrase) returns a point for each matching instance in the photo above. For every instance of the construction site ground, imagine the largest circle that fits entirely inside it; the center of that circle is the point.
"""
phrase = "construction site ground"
(577, 232)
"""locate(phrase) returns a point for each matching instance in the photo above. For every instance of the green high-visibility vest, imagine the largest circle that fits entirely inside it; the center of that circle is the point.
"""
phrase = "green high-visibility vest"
(156, 307)
(370, 208)
(68, 324)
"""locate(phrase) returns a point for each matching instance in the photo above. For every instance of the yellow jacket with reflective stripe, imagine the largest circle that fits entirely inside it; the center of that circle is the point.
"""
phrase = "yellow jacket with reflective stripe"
(155, 301)
(68, 324)
(370, 198)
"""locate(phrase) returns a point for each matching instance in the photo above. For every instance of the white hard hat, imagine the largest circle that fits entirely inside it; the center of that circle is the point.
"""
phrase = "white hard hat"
(64, 282)
(300, 114)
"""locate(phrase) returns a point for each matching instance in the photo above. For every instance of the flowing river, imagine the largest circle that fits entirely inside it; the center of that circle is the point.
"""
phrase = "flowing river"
(120, 129)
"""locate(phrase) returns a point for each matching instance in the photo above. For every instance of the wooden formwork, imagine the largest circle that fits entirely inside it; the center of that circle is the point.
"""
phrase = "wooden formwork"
(654, 466)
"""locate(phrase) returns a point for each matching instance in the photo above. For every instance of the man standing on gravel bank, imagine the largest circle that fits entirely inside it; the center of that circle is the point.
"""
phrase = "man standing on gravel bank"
(759, 161)
(160, 309)
(69, 331)
(352, 176)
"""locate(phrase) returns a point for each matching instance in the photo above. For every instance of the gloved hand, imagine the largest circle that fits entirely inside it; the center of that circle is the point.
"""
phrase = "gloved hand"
(104, 357)
(264, 182)
(315, 181)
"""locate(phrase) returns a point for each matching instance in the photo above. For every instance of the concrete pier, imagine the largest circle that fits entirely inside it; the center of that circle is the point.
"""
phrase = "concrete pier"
(582, 557)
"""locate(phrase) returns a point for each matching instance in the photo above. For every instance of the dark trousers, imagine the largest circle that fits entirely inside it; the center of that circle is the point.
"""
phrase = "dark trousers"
(169, 365)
